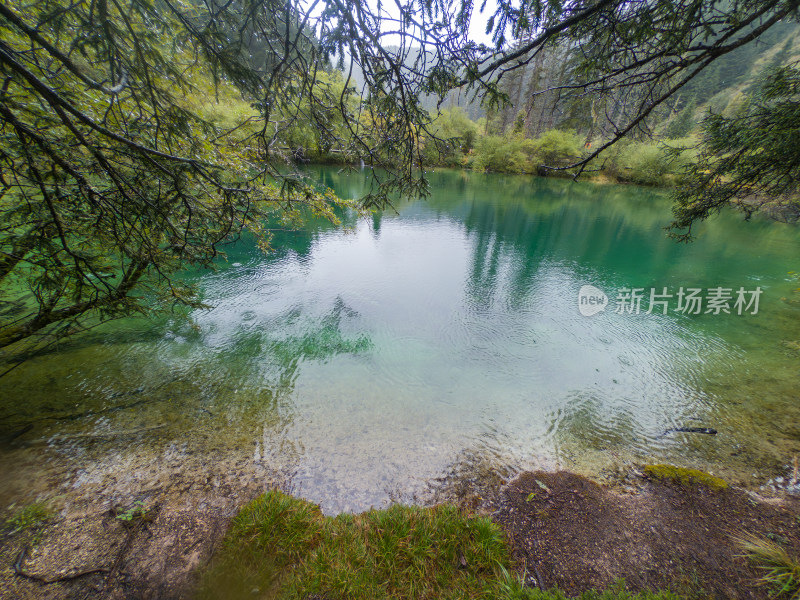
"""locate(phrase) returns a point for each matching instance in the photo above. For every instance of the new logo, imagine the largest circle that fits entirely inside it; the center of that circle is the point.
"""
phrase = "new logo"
(591, 300)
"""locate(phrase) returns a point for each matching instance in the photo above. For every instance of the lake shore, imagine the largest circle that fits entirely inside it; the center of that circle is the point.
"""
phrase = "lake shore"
(563, 530)
(570, 532)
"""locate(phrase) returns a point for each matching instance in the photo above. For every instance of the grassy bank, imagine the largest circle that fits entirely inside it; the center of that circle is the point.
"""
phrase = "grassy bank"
(282, 547)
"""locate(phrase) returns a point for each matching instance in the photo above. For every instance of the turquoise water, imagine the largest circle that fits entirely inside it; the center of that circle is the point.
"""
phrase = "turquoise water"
(444, 338)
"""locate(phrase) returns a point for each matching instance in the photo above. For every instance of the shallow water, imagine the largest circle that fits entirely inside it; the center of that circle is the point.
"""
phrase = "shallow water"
(444, 338)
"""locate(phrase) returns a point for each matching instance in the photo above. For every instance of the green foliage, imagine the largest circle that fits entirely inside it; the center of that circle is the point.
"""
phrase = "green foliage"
(458, 132)
(515, 154)
(135, 514)
(502, 154)
(646, 164)
(685, 476)
(556, 148)
(649, 163)
(118, 169)
(519, 124)
(29, 516)
(118, 173)
(714, 84)
(611, 68)
(750, 160)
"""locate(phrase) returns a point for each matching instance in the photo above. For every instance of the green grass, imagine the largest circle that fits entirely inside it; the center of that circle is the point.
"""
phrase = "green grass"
(781, 571)
(28, 516)
(282, 547)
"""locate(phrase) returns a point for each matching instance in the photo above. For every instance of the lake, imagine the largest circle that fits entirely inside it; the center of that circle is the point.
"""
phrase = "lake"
(444, 339)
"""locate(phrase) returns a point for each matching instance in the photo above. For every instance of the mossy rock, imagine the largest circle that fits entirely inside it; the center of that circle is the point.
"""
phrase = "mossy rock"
(685, 476)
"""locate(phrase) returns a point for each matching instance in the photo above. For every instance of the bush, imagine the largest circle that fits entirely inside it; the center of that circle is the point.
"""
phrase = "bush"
(503, 154)
(557, 148)
(514, 154)
(649, 163)
(646, 164)
(459, 130)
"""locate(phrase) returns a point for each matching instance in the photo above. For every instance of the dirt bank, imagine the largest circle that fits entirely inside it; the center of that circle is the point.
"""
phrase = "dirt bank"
(570, 532)
(564, 531)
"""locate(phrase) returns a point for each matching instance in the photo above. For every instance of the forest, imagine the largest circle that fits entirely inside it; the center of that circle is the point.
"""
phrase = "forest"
(543, 126)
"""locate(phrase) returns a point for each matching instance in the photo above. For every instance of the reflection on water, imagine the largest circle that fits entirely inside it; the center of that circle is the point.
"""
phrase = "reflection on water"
(368, 363)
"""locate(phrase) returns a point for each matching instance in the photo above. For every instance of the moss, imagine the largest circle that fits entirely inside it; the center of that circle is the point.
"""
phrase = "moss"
(685, 476)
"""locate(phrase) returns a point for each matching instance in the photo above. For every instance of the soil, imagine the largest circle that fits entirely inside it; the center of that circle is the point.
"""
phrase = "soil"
(564, 530)
(570, 532)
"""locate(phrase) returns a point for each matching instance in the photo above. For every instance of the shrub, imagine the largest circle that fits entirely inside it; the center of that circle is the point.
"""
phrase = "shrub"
(557, 148)
(515, 154)
(650, 163)
(503, 154)
(454, 126)
(645, 164)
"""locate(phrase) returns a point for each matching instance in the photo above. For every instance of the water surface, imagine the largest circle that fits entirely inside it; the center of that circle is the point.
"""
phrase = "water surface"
(444, 337)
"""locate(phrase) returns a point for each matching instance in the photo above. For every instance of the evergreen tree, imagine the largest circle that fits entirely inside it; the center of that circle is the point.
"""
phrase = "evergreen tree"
(750, 160)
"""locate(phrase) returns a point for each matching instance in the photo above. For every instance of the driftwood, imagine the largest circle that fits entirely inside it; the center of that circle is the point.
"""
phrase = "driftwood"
(705, 430)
